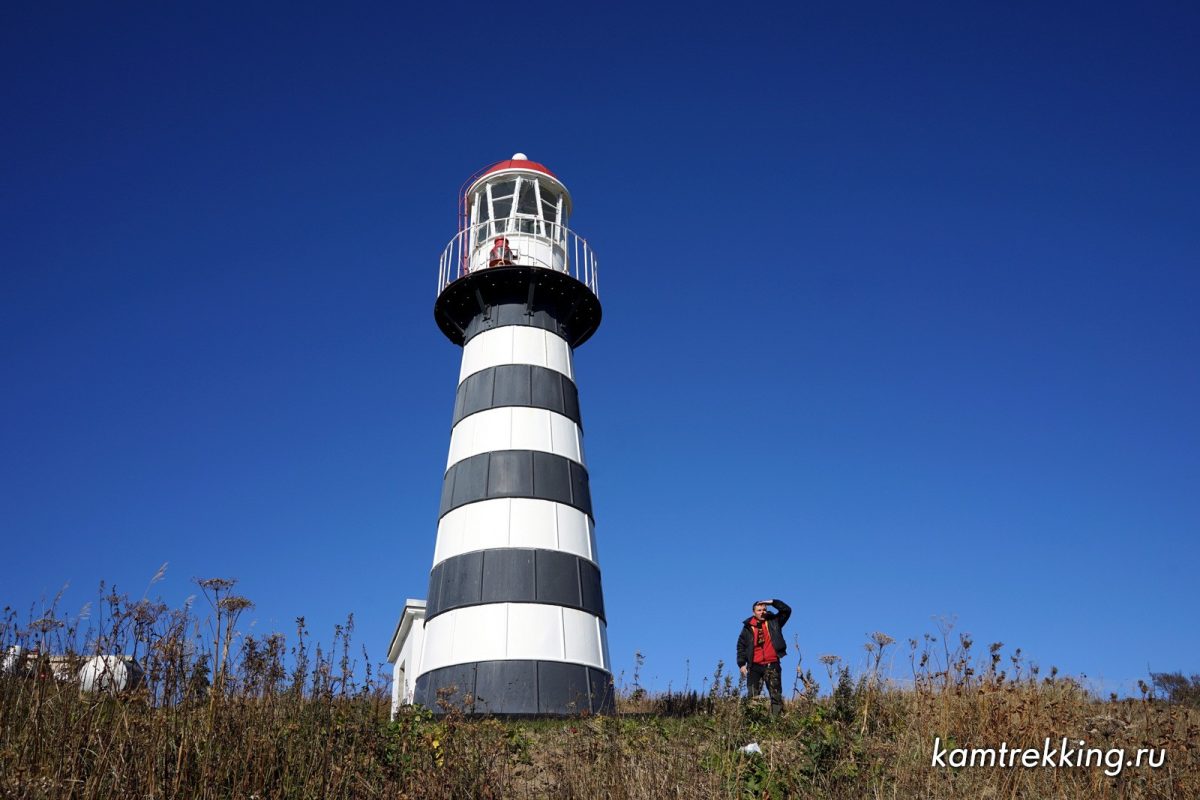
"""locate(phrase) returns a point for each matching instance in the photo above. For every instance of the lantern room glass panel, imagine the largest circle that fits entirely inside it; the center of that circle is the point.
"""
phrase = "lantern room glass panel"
(480, 217)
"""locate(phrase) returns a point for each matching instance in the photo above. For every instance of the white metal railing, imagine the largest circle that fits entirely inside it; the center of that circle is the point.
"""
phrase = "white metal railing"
(529, 242)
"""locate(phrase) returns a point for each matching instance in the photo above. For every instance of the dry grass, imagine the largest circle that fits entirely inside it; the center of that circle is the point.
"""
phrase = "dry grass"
(227, 715)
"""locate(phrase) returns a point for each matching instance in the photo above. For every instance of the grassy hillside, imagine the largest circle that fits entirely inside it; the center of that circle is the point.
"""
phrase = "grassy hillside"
(226, 715)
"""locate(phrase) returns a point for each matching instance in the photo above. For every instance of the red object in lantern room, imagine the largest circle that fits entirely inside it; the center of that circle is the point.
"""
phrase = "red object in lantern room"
(500, 256)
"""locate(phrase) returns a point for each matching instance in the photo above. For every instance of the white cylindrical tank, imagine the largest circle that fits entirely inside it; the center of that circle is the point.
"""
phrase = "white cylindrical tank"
(13, 660)
(110, 674)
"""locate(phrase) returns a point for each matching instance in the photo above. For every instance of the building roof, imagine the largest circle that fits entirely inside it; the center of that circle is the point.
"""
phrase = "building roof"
(413, 610)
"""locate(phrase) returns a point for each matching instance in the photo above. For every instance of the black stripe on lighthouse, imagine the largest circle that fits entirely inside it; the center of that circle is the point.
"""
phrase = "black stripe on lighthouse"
(515, 575)
(504, 314)
(518, 687)
(516, 473)
(517, 385)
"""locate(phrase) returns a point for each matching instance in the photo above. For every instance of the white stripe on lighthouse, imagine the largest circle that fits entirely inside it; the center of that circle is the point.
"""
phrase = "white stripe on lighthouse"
(515, 428)
(515, 522)
(515, 631)
(516, 344)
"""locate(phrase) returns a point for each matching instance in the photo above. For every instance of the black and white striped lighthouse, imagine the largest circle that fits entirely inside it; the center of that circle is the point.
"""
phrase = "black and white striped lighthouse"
(514, 620)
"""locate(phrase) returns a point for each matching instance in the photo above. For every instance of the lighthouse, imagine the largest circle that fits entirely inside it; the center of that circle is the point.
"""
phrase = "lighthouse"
(514, 621)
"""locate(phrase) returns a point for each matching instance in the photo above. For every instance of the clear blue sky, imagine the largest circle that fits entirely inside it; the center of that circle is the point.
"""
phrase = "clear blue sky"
(901, 310)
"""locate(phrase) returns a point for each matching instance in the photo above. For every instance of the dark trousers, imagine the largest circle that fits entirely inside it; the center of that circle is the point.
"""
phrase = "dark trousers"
(755, 673)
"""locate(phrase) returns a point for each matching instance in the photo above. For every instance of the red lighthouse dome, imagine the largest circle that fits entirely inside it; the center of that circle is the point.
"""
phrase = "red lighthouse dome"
(518, 161)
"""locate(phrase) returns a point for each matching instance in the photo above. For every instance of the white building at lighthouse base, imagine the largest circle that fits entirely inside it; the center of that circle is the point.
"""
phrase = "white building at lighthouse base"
(408, 645)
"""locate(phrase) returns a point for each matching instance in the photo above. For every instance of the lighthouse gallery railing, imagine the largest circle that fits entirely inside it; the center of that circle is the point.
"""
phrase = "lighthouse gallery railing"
(561, 250)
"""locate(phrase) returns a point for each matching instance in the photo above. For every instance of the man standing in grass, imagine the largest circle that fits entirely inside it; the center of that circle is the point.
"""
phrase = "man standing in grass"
(759, 648)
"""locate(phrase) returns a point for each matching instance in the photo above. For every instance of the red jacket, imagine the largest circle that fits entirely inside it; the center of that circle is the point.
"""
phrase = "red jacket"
(775, 623)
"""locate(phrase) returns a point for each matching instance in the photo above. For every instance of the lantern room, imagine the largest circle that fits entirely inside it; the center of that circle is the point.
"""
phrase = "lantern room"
(513, 241)
(516, 214)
